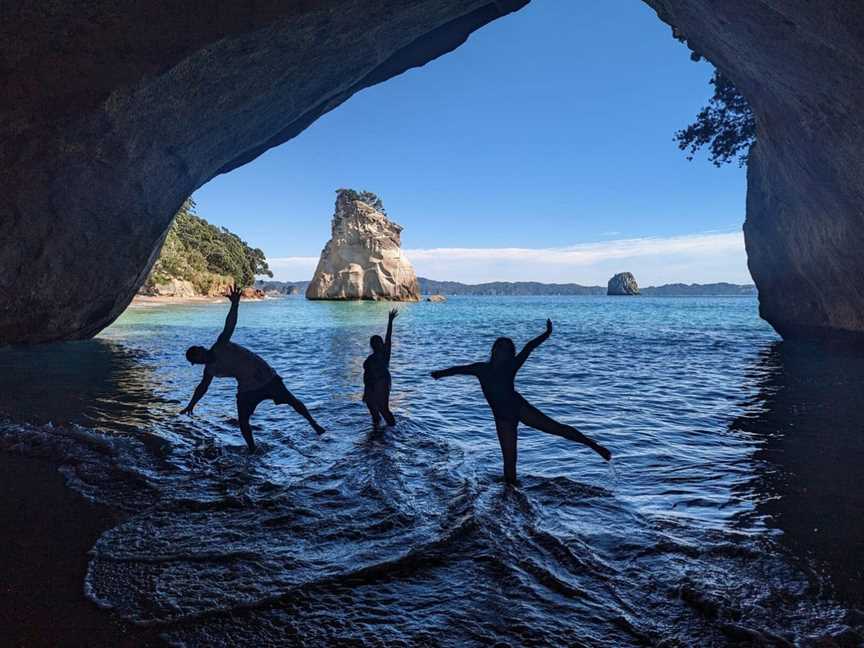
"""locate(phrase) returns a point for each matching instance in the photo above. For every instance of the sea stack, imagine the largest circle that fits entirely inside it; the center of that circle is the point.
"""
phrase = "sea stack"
(623, 283)
(363, 258)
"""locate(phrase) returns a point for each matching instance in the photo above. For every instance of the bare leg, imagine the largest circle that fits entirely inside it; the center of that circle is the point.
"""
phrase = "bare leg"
(507, 438)
(244, 412)
(532, 417)
(373, 411)
(381, 396)
(286, 397)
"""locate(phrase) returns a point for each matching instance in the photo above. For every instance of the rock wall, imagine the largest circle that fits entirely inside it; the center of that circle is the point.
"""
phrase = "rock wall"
(800, 66)
(115, 112)
(363, 258)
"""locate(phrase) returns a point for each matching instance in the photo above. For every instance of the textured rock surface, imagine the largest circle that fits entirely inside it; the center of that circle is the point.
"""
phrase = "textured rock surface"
(114, 112)
(173, 288)
(363, 258)
(623, 283)
(800, 66)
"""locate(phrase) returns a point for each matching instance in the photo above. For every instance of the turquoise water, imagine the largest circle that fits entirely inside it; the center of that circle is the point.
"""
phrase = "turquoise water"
(699, 529)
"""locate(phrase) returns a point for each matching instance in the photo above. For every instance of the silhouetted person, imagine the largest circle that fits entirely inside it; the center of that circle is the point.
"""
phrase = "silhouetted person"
(256, 380)
(508, 406)
(376, 376)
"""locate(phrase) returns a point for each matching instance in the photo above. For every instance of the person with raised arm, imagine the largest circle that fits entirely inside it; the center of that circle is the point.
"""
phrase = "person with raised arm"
(376, 376)
(509, 408)
(256, 380)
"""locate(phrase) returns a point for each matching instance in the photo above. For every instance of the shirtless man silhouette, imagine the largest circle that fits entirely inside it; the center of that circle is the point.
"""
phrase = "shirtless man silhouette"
(256, 380)
(509, 408)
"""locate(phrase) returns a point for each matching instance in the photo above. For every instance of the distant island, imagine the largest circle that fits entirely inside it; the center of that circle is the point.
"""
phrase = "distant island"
(506, 288)
(431, 287)
(281, 288)
(623, 283)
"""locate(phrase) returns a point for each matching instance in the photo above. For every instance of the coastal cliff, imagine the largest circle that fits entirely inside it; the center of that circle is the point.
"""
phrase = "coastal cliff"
(103, 139)
(199, 259)
(363, 258)
(799, 65)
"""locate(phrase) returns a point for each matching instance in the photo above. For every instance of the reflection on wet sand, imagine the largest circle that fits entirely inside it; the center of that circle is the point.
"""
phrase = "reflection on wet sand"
(809, 486)
(94, 383)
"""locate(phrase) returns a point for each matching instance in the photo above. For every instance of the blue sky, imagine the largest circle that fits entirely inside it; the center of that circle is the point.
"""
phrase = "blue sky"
(542, 149)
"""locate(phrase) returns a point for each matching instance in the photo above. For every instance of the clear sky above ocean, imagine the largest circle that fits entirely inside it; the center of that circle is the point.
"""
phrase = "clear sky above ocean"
(542, 149)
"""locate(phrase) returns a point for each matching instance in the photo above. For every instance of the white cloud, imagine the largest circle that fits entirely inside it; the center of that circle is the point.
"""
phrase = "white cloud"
(699, 258)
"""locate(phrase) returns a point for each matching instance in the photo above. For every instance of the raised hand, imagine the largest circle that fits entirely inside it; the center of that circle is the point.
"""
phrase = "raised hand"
(234, 294)
(548, 327)
(603, 452)
(188, 410)
(394, 314)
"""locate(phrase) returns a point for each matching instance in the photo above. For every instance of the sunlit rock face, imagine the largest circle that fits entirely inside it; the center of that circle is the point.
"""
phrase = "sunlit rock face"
(800, 66)
(363, 258)
(114, 112)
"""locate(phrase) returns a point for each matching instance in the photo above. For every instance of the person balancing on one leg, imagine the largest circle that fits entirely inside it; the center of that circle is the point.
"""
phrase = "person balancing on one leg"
(256, 380)
(376, 376)
(508, 406)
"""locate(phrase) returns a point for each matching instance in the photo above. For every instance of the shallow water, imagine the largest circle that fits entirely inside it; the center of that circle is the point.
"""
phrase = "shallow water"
(734, 504)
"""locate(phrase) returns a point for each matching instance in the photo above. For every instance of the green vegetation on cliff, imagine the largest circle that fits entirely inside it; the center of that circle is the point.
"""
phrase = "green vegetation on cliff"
(207, 256)
(367, 197)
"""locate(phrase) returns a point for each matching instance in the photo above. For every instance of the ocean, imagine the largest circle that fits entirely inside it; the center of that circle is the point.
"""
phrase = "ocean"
(732, 509)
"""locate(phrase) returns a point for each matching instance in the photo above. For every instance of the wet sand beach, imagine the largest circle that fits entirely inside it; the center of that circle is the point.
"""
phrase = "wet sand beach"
(47, 530)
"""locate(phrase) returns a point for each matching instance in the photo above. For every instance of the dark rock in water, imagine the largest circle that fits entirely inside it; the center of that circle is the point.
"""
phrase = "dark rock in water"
(115, 113)
(623, 283)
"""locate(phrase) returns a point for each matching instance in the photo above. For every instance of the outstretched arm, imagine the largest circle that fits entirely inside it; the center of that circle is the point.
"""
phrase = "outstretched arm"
(200, 390)
(231, 320)
(533, 344)
(459, 370)
(389, 339)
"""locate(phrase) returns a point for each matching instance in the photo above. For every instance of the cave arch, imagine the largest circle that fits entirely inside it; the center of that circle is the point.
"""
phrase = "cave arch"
(116, 113)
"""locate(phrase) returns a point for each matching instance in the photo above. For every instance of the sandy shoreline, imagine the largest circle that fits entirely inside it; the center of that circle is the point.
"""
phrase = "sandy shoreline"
(46, 533)
(145, 301)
